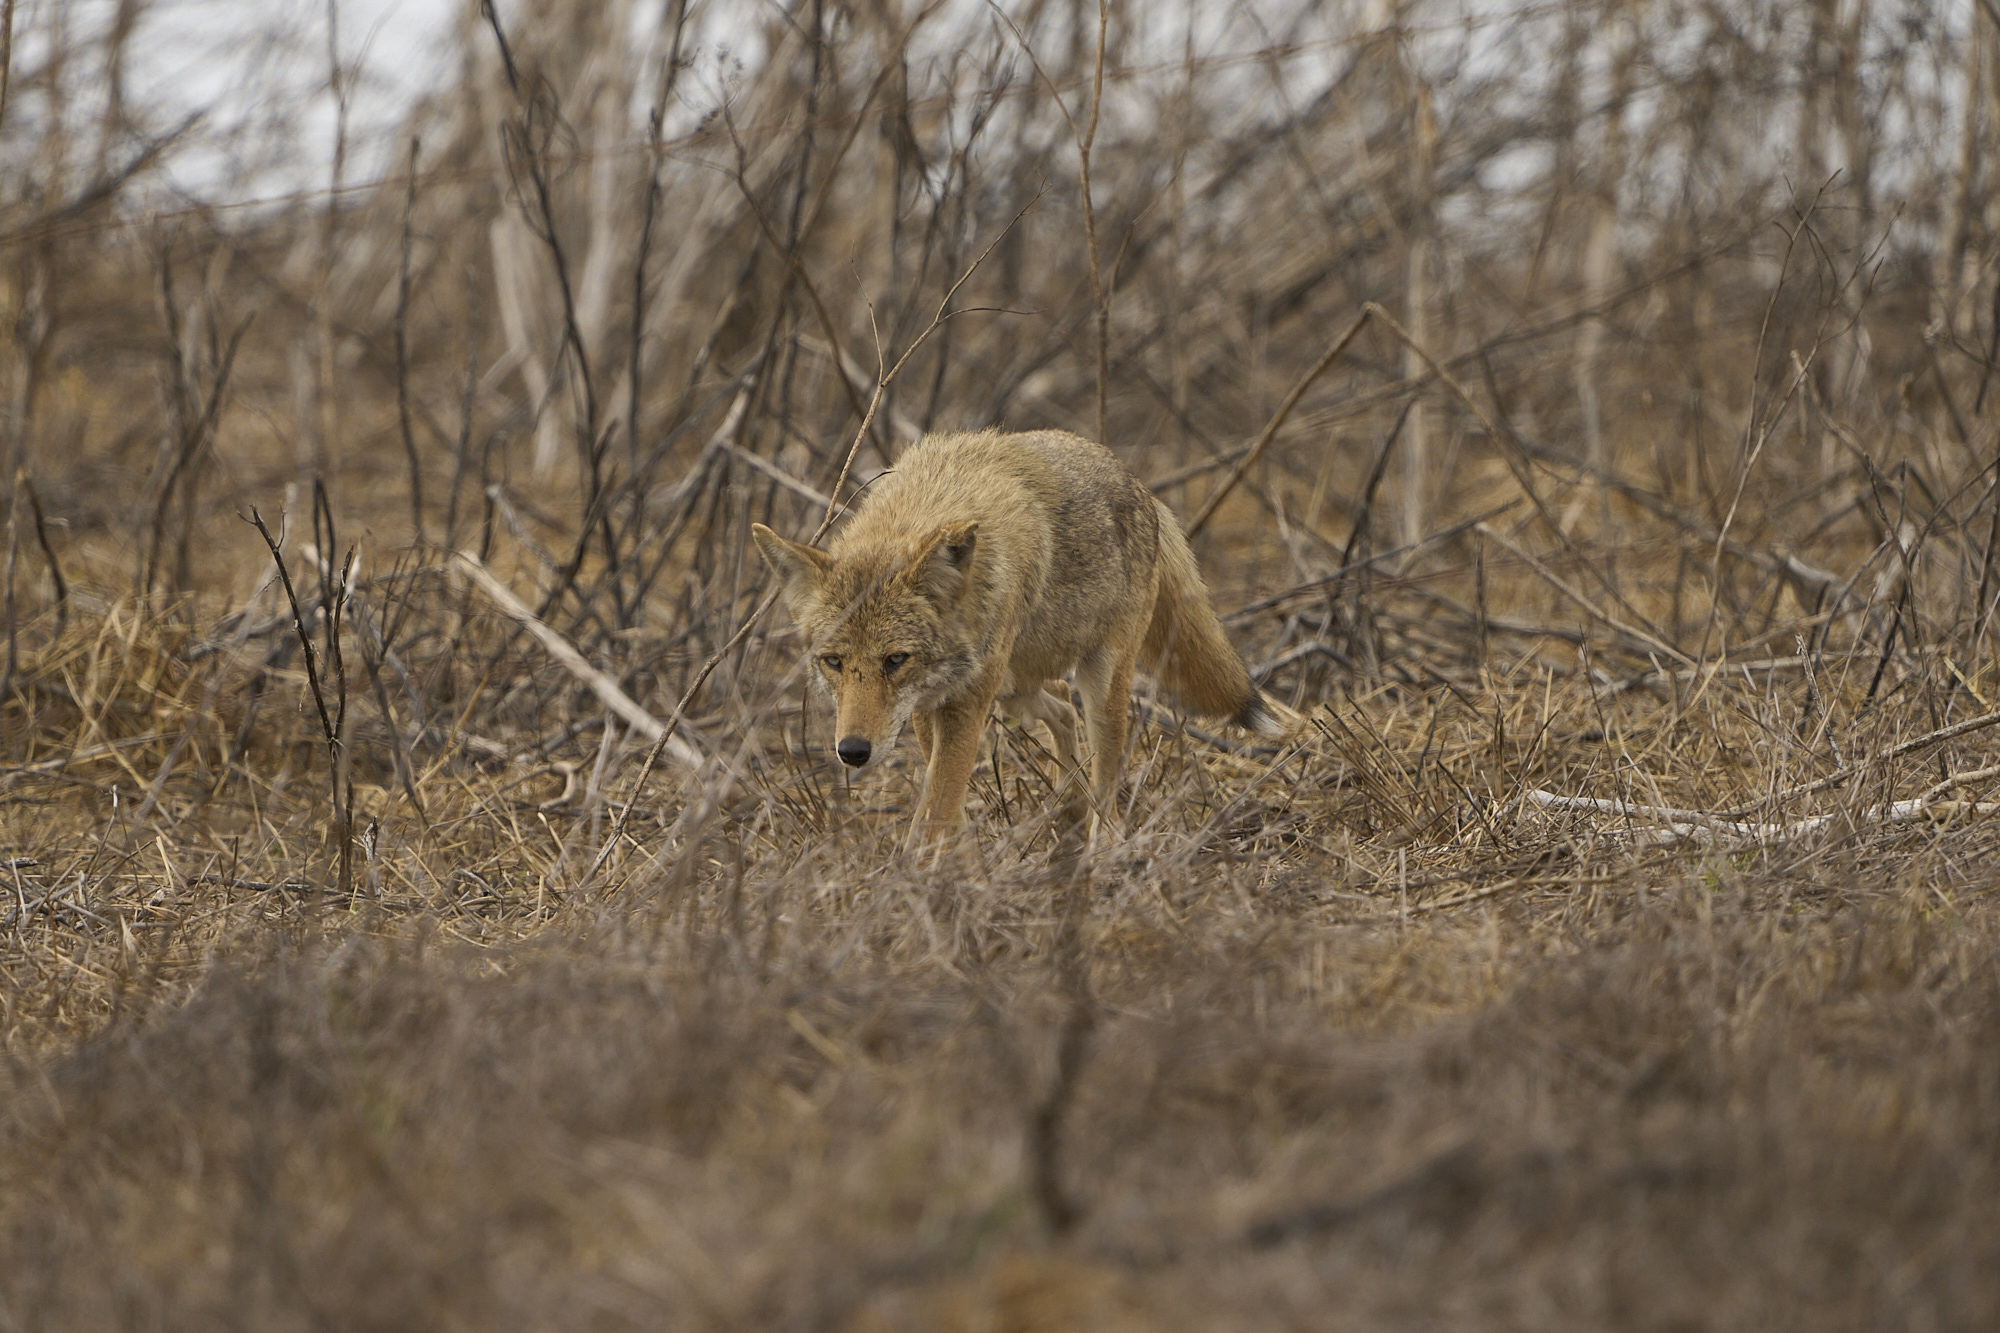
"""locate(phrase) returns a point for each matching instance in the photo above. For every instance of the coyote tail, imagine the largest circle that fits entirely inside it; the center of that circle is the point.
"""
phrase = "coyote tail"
(1186, 650)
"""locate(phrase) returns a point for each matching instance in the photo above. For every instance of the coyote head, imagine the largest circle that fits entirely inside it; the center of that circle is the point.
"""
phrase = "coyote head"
(882, 634)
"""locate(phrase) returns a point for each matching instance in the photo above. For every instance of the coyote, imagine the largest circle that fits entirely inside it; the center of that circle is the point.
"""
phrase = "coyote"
(981, 570)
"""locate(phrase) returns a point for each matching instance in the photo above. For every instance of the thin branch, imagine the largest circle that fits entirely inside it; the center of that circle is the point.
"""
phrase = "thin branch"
(1555, 581)
(326, 723)
(1271, 427)
(403, 351)
(572, 661)
(27, 484)
(6, 54)
(1855, 770)
(1085, 138)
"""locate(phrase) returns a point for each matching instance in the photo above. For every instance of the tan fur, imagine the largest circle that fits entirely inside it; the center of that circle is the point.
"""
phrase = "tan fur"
(994, 564)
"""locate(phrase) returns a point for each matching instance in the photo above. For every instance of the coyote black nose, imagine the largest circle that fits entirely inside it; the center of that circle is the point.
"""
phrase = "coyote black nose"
(853, 751)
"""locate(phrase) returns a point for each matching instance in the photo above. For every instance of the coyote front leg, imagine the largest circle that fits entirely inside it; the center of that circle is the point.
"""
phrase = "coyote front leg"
(954, 749)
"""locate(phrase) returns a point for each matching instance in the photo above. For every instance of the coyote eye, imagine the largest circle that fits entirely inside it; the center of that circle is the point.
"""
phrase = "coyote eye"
(830, 662)
(894, 660)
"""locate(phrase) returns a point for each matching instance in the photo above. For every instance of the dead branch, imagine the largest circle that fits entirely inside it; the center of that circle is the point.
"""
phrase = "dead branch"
(572, 661)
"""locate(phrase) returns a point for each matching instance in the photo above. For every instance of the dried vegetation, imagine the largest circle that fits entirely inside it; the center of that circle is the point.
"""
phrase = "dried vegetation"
(429, 899)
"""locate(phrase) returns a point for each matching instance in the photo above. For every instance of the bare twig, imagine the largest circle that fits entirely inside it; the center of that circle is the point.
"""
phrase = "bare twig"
(403, 351)
(1584, 603)
(196, 418)
(13, 619)
(1271, 427)
(6, 54)
(1868, 764)
(888, 375)
(1084, 138)
(572, 661)
(27, 485)
(332, 727)
(1515, 465)
(1318, 585)
(1698, 825)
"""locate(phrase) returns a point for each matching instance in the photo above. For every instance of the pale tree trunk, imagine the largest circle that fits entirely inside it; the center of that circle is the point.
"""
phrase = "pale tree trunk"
(1416, 314)
(1948, 276)
(606, 108)
(326, 436)
(524, 299)
(1978, 268)
(1847, 356)
(1992, 48)
(1809, 136)
(531, 309)
(601, 70)
(1600, 254)
(1850, 118)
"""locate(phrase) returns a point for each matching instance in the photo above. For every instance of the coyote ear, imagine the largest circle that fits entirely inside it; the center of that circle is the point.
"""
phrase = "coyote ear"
(799, 566)
(942, 562)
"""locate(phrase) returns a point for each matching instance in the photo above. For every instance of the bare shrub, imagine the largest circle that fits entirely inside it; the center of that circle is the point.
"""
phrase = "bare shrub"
(1586, 419)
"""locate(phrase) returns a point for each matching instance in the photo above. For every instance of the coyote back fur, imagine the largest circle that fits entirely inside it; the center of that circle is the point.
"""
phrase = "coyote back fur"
(980, 571)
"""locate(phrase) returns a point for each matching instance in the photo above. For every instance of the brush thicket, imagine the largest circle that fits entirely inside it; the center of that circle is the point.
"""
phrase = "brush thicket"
(1609, 946)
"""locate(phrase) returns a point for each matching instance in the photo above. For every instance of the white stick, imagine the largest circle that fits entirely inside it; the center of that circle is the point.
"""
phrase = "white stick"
(573, 661)
(1698, 825)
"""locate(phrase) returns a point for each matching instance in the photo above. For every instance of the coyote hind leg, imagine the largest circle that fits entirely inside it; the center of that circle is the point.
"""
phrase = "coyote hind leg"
(1044, 704)
(1105, 681)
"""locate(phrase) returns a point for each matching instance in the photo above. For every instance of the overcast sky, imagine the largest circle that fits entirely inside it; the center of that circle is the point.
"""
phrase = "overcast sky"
(254, 63)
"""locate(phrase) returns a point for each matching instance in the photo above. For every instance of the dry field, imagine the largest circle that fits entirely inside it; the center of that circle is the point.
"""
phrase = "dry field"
(429, 899)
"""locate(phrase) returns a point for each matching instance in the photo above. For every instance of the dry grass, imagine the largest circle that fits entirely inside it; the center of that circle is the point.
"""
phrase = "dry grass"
(1613, 948)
